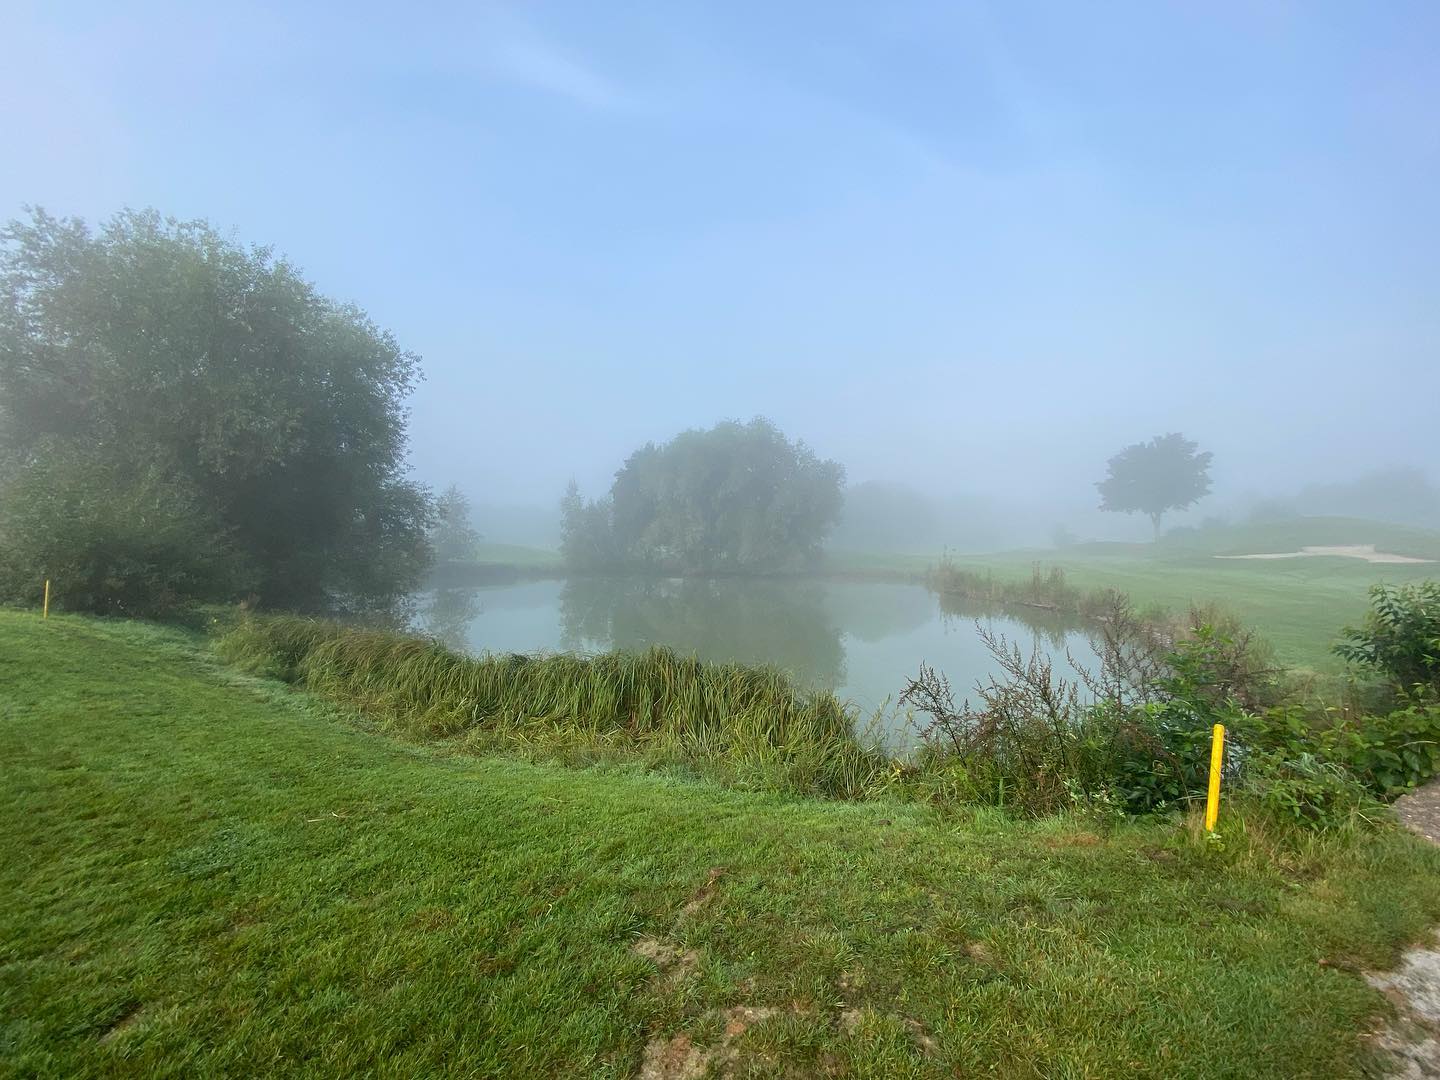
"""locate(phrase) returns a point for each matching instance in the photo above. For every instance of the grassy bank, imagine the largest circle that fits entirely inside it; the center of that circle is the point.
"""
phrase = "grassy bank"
(207, 873)
(751, 727)
(1298, 605)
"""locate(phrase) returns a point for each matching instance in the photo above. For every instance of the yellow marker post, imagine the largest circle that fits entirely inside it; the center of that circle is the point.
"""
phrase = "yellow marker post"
(46, 611)
(1217, 762)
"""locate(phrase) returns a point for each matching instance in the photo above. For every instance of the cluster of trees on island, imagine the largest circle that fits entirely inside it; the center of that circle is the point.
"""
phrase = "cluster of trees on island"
(184, 419)
(736, 498)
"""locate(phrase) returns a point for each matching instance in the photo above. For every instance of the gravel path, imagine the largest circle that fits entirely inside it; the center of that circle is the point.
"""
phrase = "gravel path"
(1420, 811)
(1413, 1039)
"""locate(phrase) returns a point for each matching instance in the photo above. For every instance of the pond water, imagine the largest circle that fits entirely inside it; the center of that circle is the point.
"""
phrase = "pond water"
(861, 639)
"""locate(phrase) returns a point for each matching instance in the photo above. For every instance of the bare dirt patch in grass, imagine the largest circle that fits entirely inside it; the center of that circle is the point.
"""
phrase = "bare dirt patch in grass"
(678, 1058)
(130, 1019)
(703, 894)
(674, 962)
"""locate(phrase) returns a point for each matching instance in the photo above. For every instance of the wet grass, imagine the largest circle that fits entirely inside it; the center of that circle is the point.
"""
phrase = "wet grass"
(203, 873)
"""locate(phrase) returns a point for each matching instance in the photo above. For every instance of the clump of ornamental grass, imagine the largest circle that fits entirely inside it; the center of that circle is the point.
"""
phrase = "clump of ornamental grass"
(751, 726)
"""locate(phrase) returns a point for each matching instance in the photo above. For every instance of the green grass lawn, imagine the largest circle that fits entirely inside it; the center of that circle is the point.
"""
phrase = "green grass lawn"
(524, 558)
(1298, 605)
(207, 874)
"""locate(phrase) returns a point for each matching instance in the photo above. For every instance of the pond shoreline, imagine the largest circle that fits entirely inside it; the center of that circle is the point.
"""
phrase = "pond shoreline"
(459, 575)
(861, 635)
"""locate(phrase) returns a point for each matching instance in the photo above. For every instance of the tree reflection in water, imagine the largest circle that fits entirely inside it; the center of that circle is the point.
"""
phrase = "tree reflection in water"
(782, 623)
(448, 615)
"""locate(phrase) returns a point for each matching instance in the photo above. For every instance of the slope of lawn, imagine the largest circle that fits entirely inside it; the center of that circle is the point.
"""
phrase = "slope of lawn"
(206, 874)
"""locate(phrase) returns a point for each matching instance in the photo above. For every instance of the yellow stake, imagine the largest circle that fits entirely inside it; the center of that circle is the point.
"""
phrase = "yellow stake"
(1217, 762)
(46, 614)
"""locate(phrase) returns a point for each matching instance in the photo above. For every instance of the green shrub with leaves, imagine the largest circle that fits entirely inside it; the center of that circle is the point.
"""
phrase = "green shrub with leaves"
(1162, 755)
(1141, 741)
(1138, 740)
(1400, 637)
(1386, 754)
(114, 537)
(1305, 789)
(1392, 753)
(277, 415)
(1208, 672)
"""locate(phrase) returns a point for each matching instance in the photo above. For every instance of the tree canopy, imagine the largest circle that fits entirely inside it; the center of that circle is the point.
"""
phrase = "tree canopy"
(1167, 473)
(167, 393)
(452, 537)
(738, 497)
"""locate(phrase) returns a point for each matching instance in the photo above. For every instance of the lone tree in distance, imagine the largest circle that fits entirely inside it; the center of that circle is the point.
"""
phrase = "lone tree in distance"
(1167, 473)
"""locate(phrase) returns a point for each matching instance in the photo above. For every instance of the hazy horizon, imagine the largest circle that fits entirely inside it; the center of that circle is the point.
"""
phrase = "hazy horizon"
(974, 251)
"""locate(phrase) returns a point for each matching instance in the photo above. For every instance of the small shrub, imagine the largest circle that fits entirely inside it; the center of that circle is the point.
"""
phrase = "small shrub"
(1388, 753)
(1027, 736)
(1306, 790)
(1161, 756)
(1400, 637)
(1392, 753)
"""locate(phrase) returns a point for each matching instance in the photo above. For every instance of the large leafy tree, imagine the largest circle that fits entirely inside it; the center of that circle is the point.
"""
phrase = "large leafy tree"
(216, 371)
(738, 497)
(1167, 473)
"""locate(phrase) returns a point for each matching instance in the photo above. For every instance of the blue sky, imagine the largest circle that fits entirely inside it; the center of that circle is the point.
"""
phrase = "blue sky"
(976, 247)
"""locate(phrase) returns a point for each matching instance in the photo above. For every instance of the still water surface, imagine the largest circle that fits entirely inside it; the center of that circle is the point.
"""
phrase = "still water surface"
(860, 639)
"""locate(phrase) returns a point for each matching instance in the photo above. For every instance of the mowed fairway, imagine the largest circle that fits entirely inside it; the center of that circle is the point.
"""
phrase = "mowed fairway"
(1298, 605)
(203, 874)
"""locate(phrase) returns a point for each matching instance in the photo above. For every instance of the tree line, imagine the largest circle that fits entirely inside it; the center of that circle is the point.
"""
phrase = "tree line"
(184, 419)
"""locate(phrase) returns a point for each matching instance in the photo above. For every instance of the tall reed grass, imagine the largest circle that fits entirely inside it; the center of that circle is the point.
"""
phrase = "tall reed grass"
(1046, 589)
(750, 726)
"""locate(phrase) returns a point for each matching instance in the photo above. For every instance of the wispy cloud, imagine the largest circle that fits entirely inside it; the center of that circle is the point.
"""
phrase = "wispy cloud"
(521, 56)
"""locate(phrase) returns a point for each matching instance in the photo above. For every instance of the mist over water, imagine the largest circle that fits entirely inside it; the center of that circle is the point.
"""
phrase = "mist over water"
(965, 250)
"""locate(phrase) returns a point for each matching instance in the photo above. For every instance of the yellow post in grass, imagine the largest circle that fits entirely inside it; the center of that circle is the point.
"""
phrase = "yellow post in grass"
(45, 614)
(1217, 762)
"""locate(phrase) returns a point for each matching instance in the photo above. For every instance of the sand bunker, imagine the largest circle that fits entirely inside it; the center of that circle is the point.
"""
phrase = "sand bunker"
(1346, 551)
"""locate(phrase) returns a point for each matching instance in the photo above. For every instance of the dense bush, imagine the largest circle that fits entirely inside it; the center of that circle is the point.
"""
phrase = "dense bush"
(1400, 637)
(1305, 789)
(114, 537)
(170, 357)
(1136, 735)
(1388, 753)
